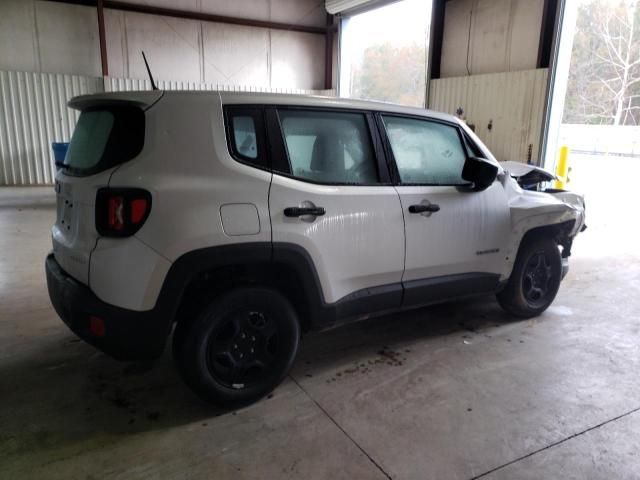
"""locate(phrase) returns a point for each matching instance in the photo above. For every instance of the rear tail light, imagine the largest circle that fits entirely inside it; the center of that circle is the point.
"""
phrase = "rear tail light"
(121, 212)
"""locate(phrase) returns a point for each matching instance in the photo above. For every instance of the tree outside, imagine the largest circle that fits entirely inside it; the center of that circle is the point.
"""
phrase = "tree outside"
(392, 73)
(383, 53)
(604, 77)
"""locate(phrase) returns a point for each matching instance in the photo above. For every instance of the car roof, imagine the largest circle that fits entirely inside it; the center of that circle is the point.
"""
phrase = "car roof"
(147, 98)
(325, 101)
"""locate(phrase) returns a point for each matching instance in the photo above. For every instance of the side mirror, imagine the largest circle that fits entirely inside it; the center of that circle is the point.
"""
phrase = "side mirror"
(479, 171)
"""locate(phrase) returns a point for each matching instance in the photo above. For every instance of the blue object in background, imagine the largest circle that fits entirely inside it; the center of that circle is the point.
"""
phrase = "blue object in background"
(59, 151)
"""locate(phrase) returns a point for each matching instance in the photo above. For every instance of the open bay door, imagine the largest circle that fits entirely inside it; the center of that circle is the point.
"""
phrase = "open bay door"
(344, 7)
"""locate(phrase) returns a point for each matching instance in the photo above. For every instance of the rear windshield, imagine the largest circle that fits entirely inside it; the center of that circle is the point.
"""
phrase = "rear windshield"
(104, 137)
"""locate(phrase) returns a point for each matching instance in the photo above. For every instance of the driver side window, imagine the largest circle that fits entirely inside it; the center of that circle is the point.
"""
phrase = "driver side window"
(329, 147)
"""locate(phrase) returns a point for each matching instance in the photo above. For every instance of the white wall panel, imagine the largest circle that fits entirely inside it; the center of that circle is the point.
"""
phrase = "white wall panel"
(44, 36)
(298, 60)
(172, 46)
(18, 48)
(488, 36)
(525, 27)
(236, 55)
(67, 38)
(299, 12)
(513, 102)
(40, 36)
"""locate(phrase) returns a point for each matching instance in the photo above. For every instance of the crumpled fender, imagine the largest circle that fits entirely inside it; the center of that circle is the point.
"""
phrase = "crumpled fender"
(530, 209)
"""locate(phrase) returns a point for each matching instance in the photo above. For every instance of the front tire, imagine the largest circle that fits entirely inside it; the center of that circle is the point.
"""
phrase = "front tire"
(535, 279)
(239, 348)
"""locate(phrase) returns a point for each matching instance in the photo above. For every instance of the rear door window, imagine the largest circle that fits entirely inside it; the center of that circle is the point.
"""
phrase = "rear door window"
(329, 147)
(103, 138)
(246, 135)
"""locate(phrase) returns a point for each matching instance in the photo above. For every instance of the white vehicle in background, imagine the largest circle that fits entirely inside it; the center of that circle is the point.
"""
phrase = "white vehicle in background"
(240, 220)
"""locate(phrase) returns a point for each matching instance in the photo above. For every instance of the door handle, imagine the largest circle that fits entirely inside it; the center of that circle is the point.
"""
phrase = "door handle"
(421, 208)
(300, 211)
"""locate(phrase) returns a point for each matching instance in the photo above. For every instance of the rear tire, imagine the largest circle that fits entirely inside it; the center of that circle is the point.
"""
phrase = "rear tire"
(239, 348)
(535, 279)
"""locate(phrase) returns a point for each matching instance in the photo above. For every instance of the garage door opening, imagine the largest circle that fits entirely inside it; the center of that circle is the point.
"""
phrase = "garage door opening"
(383, 53)
(595, 112)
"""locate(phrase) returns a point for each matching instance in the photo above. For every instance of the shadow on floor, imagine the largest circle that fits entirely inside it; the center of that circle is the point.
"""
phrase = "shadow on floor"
(380, 335)
(63, 391)
(66, 392)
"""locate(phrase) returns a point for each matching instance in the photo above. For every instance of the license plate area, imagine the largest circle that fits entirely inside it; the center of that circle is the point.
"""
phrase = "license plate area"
(65, 205)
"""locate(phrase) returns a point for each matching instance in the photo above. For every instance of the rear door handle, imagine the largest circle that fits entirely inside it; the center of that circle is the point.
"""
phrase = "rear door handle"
(421, 208)
(300, 211)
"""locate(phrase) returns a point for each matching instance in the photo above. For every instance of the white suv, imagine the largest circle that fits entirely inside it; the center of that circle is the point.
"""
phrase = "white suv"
(245, 219)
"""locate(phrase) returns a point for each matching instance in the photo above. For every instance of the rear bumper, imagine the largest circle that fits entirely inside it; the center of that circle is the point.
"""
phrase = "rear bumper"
(127, 335)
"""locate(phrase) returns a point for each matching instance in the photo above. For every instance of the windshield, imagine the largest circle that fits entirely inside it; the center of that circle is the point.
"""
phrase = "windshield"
(103, 138)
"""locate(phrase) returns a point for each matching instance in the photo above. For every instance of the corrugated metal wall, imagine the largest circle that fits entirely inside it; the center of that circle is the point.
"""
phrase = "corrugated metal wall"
(511, 102)
(112, 84)
(34, 113)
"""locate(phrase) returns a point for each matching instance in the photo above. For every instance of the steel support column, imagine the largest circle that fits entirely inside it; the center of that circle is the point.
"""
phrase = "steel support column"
(547, 32)
(328, 54)
(103, 41)
(435, 38)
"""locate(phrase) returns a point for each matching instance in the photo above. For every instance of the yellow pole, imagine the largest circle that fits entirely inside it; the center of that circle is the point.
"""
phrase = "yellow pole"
(562, 168)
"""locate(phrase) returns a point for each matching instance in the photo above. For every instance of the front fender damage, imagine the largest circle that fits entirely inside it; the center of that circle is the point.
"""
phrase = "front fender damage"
(560, 214)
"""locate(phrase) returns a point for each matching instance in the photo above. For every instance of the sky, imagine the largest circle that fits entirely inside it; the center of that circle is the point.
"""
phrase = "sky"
(402, 22)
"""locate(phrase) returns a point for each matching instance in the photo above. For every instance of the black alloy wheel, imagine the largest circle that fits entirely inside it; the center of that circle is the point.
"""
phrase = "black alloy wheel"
(239, 348)
(534, 280)
(537, 278)
(243, 348)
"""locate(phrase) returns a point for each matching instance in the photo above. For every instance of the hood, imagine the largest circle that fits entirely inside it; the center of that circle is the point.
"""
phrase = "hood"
(528, 176)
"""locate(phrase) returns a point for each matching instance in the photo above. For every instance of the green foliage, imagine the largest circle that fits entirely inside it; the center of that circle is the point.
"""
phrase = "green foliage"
(392, 74)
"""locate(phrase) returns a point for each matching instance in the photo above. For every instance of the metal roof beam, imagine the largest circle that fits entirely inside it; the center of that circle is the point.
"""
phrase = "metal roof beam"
(205, 17)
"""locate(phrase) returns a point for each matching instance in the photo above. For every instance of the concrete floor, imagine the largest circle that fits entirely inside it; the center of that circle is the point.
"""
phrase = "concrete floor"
(458, 391)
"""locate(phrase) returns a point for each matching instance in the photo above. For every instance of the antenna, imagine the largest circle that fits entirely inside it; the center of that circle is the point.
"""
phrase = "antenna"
(153, 84)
